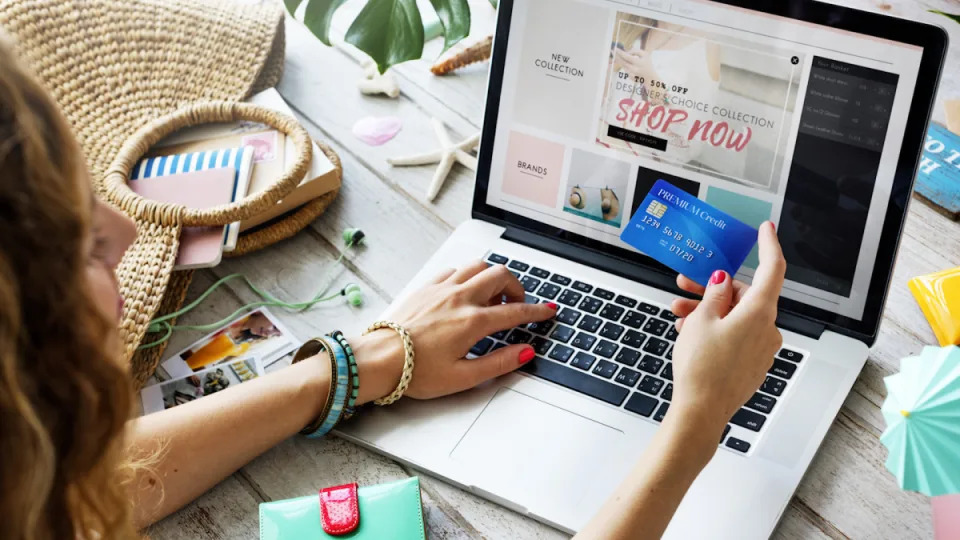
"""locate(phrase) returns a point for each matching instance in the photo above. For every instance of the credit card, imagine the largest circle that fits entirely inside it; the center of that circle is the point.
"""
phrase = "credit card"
(687, 234)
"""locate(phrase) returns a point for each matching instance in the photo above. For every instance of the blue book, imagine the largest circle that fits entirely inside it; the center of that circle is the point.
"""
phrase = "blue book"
(938, 178)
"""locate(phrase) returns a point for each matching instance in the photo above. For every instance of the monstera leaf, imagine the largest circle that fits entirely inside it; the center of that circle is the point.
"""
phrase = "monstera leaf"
(389, 31)
(948, 15)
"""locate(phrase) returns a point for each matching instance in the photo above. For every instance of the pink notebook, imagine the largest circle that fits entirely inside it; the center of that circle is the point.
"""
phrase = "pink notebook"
(200, 247)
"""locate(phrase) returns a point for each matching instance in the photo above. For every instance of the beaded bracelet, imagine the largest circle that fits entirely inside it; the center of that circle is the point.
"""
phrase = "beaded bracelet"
(350, 409)
(408, 352)
(339, 385)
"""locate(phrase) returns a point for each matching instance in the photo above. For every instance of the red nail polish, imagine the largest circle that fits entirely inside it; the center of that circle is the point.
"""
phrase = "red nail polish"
(551, 305)
(718, 277)
(526, 355)
(773, 226)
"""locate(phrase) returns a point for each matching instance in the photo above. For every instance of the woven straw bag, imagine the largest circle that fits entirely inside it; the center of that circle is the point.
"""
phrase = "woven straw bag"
(128, 72)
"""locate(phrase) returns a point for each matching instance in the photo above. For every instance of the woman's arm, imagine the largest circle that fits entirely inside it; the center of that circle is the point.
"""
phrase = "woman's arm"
(188, 449)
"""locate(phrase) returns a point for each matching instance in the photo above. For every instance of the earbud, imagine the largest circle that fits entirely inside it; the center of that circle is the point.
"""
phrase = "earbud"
(353, 237)
(354, 294)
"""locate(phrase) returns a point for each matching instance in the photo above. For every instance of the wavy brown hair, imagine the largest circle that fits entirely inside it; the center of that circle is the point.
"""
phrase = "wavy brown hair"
(64, 396)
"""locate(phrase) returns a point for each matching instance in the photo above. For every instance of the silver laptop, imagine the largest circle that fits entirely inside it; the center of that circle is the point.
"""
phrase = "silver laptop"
(808, 114)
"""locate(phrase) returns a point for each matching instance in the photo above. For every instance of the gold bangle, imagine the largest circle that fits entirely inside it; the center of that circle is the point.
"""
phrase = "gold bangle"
(408, 353)
(308, 350)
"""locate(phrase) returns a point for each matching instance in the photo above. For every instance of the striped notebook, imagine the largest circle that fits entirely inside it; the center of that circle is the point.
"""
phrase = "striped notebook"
(240, 158)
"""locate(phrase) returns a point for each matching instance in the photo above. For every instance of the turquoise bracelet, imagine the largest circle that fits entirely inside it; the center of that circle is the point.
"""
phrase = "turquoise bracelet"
(350, 409)
(341, 384)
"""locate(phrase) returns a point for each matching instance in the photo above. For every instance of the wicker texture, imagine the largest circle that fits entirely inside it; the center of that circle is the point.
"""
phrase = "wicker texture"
(115, 67)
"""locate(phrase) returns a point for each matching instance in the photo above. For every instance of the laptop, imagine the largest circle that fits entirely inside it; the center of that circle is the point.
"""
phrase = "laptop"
(807, 114)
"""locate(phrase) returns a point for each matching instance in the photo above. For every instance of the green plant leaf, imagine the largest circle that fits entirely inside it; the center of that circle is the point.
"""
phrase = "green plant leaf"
(455, 18)
(389, 31)
(954, 17)
(318, 15)
(292, 5)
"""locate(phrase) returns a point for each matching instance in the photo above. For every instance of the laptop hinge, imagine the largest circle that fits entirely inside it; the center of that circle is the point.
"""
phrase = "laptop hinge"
(626, 269)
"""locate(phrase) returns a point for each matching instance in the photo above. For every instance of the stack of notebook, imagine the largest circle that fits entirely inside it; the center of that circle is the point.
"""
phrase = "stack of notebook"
(256, 155)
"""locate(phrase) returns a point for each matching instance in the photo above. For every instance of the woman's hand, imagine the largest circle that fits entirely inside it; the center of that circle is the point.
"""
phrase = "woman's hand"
(636, 63)
(445, 319)
(728, 340)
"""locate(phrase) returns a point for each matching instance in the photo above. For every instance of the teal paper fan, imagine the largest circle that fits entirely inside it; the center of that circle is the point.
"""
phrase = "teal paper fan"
(922, 412)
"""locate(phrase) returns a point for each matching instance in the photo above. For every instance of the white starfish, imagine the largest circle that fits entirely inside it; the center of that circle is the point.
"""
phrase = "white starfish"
(448, 154)
(373, 82)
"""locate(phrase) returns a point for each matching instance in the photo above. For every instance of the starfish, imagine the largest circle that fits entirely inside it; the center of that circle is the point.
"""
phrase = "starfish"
(448, 154)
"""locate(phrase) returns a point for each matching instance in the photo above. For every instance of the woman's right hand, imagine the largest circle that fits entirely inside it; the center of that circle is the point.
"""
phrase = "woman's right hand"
(727, 340)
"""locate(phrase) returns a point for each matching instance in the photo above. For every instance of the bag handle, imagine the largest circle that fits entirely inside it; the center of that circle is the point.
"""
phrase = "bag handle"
(134, 148)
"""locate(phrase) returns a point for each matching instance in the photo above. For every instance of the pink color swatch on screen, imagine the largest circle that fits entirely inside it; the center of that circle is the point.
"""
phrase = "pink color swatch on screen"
(533, 169)
(946, 517)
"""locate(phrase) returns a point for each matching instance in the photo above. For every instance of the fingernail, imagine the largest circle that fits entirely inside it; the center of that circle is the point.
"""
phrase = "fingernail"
(718, 277)
(773, 226)
(551, 305)
(526, 355)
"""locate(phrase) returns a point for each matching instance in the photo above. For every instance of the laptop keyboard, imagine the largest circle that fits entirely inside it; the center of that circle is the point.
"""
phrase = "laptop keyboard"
(619, 350)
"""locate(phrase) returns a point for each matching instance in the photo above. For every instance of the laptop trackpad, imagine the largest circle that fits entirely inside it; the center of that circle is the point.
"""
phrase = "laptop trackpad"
(527, 446)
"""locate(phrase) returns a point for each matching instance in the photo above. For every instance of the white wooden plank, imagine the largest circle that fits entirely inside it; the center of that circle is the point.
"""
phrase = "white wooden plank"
(227, 511)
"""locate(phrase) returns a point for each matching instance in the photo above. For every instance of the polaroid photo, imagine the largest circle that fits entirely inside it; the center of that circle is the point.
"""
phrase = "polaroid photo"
(257, 335)
(169, 394)
(265, 146)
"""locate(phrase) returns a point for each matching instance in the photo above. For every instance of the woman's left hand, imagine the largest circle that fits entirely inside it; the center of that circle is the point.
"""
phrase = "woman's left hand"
(445, 319)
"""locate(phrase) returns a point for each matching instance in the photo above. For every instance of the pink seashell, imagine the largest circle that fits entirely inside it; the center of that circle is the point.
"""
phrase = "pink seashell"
(377, 130)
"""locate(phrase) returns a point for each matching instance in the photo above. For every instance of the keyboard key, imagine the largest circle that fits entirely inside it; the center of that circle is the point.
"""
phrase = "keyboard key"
(625, 301)
(655, 346)
(549, 291)
(790, 355)
(650, 364)
(605, 348)
(500, 335)
(668, 315)
(584, 341)
(590, 304)
(761, 402)
(773, 386)
(668, 372)
(669, 355)
(627, 357)
(497, 259)
(562, 333)
(541, 345)
(498, 346)
(667, 392)
(518, 336)
(530, 299)
(651, 385)
(782, 368)
(738, 445)
(568, 316)
(539, 272)
(540, 328)
(561, 353)
(562, 280)
(569, 297)
(515, 274)
(481, 347)
(590, 323)
(628, 377)
(611, 312)
(603, 293)
(633, 339)
(641, 404)
(655, 326)
(634, 319)
(582, 287)
(605, 369)
(649, 309)
(575, 380)
(530, 284)
(662, 411)
(747, 419)
(672, 333)
(583, 361)
(611, 331)
(726, 430)
(518, 266)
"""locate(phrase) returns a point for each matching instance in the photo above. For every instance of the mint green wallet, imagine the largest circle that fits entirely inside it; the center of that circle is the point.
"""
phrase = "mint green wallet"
(371, 512)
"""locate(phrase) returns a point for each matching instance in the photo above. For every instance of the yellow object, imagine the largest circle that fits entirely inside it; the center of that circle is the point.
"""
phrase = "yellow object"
(905, 414)
(953, 115)
(219, 348)
(939, 297)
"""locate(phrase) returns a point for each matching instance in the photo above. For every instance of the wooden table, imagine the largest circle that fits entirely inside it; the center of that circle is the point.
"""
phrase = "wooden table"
(846, 492)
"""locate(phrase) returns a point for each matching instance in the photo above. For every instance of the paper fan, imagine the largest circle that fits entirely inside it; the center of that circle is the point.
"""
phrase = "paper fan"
(922, 412)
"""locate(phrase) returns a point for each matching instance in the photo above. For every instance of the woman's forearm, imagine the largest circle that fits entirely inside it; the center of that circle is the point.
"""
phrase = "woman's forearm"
(646, 500)
(190, 448)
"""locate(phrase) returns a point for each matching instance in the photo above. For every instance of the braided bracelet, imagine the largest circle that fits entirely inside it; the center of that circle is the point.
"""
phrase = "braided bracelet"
(350, 409)
(407, 374)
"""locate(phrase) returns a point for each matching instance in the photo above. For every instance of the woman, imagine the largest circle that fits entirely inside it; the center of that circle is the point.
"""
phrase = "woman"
(72, 466)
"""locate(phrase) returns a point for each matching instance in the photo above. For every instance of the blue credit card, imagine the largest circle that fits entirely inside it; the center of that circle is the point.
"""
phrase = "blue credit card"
(687, 234)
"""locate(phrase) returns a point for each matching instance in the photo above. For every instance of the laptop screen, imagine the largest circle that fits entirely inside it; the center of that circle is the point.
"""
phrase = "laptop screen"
(764, 117)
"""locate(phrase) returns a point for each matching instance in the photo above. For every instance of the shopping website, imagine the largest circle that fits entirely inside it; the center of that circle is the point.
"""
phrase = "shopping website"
(763, 117)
